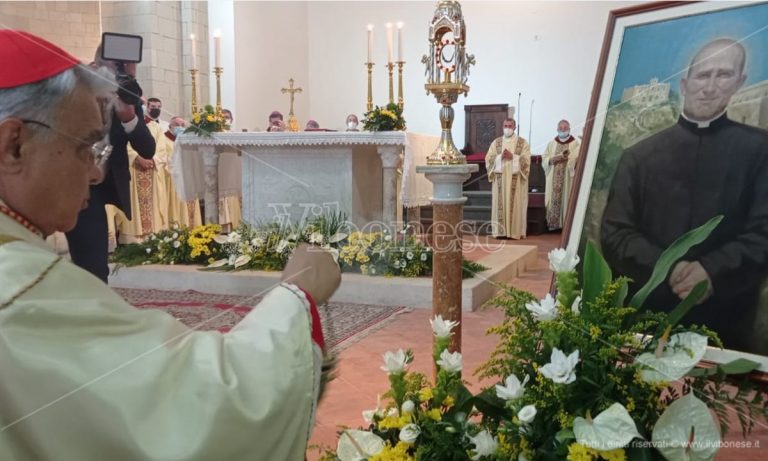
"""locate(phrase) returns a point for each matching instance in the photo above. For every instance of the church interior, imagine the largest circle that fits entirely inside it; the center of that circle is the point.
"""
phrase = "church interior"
(317, 63)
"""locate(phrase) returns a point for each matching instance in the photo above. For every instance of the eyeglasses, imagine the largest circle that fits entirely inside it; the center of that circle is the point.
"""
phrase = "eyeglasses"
(99, 151)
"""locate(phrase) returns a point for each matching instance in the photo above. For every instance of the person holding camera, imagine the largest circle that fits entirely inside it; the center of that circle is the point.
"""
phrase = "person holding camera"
(86, 375)
(88, 241)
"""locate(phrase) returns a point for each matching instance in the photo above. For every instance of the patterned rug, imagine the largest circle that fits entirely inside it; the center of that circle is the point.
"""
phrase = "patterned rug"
(343, 324)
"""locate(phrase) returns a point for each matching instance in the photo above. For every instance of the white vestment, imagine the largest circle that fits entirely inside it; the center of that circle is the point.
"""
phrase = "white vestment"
(88, 377)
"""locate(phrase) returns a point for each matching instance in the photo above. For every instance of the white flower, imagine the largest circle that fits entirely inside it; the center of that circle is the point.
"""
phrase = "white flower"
(219, 263)
(409, 433)
(395, 362)
(562, 261)
(450, 361)
(613, 428)
(372, 271)
(403, 263)
(316, 237)
(512, 389)
(687, 430)
(337, 237)
(231, 260)
(526, 414)
(233, 237)
(409, 255)
(175, 235)
(576, 306)
(561, 369)
(152, 237)
(485, 445)
(681, 354)
(159, 247)
(149, 250)
(442, 328)
(544, 310)
(166, 239)
(293, 236)
(242, 260)
(176, 244)
(281, 246)
(352, 441)
(387, 238)
(221, 239)
(257, 242)
(408, 407)
(423, 256)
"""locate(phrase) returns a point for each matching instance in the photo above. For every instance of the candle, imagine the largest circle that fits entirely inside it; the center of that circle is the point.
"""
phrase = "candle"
(370, 42)
(400, 41)
(389, 42)
(194, 51)
(217, 47)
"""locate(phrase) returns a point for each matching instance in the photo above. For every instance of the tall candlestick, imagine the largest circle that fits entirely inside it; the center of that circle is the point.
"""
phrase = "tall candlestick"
(194, 51)
(390, 45)
(370, 42)
(400, 41)
(217, 47)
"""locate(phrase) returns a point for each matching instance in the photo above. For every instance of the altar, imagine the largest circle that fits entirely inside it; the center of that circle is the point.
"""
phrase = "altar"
(295, 176)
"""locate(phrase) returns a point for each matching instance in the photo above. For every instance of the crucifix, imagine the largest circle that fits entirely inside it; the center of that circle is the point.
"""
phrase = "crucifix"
(293, 124)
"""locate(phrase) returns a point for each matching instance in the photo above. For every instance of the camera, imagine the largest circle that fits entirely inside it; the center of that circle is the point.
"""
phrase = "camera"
(121, 49)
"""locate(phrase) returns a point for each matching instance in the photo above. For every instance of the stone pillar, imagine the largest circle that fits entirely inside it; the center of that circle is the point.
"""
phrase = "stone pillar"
(448, 203)
(390, 160)
(211, 175)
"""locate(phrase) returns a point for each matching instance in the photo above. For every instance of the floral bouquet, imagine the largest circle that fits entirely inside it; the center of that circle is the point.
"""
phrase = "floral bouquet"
(207, 121)
(388, 118)
(177, 245)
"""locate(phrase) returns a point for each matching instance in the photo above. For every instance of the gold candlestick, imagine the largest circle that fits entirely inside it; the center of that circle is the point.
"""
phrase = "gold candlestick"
(400, 65)
(194, 90)
(390, 68)
(369, 104)
(218, 71)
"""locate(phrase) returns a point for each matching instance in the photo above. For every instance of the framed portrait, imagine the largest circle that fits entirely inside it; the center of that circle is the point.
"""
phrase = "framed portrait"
(677, 133)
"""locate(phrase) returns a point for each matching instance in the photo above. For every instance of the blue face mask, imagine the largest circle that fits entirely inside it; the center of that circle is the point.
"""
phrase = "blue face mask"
(563, 134)
(177, 130)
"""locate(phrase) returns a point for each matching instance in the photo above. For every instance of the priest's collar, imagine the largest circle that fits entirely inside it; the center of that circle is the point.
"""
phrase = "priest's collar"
(4, 209)
(566, 141)
(713, 122)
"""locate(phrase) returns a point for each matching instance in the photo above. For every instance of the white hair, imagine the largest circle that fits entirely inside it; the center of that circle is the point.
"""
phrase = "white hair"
(41, 101)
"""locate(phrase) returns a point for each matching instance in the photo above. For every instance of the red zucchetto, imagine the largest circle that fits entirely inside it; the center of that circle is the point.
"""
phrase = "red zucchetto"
(26, 58)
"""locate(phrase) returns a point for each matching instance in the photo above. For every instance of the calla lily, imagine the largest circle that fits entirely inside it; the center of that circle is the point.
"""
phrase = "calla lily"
(512, 388)
(561, 369)
(526, 414)
(358, 445)
(678, 357)
(687, 431)
(442, 328)
(561, 260)
(576, 306)
(242, 260)
(221, 239)
(219, 263)
(395, 362)
(485, 445)
(409, 433)
(450, 361)
(546, 309)
(611, 429)
(337, 237)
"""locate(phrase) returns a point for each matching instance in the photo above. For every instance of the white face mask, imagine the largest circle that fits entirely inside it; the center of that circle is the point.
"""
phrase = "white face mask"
(508, 132)
(351, 125)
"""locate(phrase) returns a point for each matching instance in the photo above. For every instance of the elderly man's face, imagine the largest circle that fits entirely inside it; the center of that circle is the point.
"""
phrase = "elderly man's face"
(510, 124)
(712, 80)
(177, 122)
(55, 165)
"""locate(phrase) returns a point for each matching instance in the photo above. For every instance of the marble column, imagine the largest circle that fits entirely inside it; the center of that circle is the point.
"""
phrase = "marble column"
(211, 172)
(390, 160)
(448, 204)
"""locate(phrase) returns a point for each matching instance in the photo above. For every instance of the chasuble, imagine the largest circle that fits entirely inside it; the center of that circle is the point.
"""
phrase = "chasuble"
(557, 191)
(509, 178)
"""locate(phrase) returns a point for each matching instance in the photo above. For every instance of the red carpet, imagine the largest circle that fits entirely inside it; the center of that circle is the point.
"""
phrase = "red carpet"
(343, 324)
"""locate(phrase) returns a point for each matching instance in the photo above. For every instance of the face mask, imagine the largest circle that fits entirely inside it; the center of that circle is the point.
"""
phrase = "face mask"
(154, 112)
(177, 130)
(351, 125)
(508, 132)
(563, 134)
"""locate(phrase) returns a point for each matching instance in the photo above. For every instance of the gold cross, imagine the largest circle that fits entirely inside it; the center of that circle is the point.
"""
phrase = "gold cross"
(291, 90)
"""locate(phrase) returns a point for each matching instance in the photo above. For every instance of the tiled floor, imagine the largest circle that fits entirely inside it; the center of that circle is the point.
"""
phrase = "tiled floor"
(360, 379)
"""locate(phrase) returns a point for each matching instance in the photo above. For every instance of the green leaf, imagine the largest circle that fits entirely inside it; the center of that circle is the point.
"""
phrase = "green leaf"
(738, 367)
(621, 294)
(672, 255)
(596, 273)
(565, 435)
(639, 453)
(685, 306)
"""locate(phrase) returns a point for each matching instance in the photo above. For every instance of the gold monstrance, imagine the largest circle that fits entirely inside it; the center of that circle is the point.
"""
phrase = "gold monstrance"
(447, 71)
(293, 124)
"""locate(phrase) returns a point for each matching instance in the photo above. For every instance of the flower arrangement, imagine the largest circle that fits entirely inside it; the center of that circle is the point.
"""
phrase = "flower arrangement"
(177, 245)
(388, 118)
(207, 121)
(584, 376)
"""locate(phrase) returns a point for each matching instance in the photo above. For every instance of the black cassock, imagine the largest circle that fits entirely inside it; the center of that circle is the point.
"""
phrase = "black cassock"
(677, 180)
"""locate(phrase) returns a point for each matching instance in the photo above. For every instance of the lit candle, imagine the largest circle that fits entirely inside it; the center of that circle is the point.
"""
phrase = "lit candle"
(194, 51)
(370, 42)
(390, 45)
(217, 47)
(400, 41)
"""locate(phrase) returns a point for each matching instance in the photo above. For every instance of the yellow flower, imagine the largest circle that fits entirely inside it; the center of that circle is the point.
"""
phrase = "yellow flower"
(434, 414)
(448, 401)
(614, 455)
(595, 332)
(395, 422)
(210, 118)
(425, 394)
(578, 452)
(389, 453)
